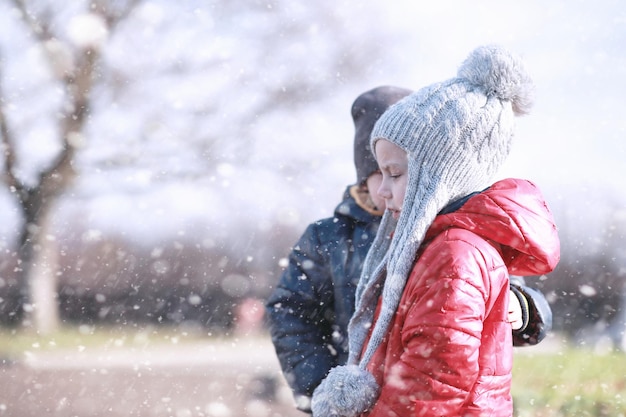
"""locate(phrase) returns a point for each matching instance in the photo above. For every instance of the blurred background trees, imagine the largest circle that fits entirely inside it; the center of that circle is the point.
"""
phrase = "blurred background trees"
(159, 158)
(158, 95)
(70, 63)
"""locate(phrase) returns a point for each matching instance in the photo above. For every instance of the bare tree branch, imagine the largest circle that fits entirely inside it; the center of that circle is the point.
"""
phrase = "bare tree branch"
(112, 16)
(8, 150)
(40, 30)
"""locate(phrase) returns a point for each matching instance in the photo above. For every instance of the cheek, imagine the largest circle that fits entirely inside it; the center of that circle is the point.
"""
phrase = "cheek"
(379, 202)
(373, 183)
(401, 190)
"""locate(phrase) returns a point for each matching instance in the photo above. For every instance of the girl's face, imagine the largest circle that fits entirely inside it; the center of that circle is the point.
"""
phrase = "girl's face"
(394, 165)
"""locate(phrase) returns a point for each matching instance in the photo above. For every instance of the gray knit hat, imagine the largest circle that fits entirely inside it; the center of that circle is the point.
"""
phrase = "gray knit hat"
(366, 110)
(457, 134)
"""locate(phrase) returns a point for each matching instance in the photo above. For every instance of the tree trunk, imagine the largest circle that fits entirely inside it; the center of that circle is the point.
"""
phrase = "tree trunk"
(38, 252)
(40, 279)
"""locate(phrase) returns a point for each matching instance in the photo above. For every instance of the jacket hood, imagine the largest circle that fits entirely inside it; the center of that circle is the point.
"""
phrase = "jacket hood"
(514, 214)
(355, 206)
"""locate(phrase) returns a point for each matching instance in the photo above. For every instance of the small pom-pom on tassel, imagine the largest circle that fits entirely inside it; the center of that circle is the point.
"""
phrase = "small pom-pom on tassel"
(347, 391)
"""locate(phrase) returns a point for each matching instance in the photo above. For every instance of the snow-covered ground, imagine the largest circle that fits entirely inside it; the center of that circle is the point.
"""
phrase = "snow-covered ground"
(233, 378)
(248, 353)
(236, 377)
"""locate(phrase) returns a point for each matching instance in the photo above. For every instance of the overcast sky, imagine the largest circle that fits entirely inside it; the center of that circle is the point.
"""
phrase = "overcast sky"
(576, 52)
(572, 142)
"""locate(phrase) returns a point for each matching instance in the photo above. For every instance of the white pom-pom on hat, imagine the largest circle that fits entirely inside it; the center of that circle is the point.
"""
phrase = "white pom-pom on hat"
(502, 74)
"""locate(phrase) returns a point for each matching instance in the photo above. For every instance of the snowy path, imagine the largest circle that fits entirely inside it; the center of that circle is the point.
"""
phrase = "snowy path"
(224, 378)
(207, 378)
(246, 353)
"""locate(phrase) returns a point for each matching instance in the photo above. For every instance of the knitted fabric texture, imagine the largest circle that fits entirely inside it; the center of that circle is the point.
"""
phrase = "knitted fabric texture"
(335, 396)
(366, 110)
(457, 134)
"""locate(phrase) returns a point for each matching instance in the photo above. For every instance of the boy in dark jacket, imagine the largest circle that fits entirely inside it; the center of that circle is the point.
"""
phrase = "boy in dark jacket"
(310, 308)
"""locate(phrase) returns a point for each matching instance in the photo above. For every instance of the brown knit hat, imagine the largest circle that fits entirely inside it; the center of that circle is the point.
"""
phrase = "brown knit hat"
(366, 110)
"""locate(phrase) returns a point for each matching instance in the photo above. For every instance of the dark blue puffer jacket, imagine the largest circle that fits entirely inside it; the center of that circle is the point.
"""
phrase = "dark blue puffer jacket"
(309, 310)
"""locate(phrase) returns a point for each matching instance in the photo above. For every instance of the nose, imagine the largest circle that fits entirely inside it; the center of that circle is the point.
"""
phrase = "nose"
(384, 191)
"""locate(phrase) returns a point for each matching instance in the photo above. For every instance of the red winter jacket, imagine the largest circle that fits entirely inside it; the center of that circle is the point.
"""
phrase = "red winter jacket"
(449, 350)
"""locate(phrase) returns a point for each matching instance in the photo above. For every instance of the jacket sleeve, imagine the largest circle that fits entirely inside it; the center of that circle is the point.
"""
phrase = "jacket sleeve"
(299, 312)
(442, 322)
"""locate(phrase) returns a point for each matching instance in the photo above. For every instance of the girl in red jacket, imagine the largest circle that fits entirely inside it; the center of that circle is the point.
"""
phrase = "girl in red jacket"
(430, 335)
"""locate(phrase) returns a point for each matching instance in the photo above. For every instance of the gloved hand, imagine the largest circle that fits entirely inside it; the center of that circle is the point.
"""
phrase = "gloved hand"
(303, 403)
(536, 320)
(518, 315)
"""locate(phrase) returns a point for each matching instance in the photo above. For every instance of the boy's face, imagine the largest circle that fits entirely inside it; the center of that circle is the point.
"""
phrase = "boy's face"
(394, 165)
(373, 183)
